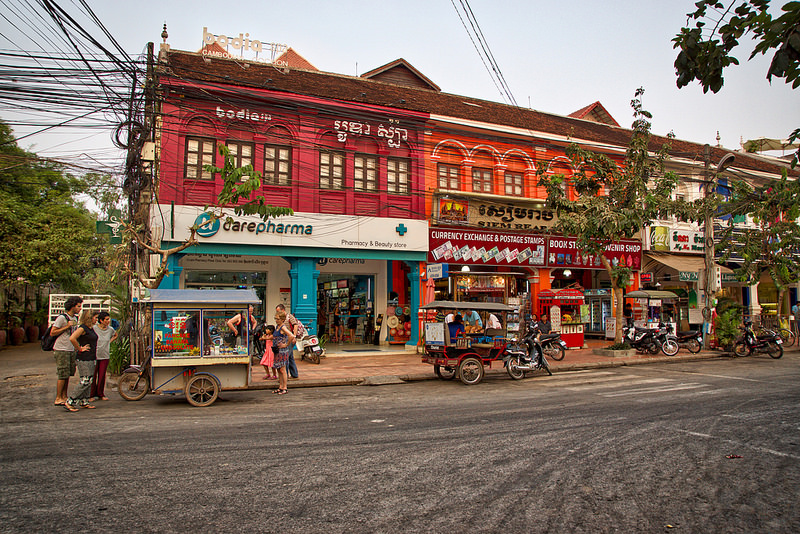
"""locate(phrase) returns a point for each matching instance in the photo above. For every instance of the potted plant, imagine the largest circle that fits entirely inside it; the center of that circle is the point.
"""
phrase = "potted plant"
(617, 350)
(17, 333)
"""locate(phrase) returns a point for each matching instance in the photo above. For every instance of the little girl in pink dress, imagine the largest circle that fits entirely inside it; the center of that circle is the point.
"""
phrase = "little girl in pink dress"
(269, 357)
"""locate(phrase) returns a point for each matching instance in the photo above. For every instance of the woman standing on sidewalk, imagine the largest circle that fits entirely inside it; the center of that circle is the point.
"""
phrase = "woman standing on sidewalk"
(105, 335)
(84, 340)
(283, 340)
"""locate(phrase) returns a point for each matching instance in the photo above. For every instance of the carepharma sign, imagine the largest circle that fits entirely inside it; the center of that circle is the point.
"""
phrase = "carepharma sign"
(300, 230)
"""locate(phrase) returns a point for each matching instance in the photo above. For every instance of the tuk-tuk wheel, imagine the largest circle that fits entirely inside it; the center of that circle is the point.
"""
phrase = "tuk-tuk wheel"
(445, 373)
(202, 390)
(470, 371)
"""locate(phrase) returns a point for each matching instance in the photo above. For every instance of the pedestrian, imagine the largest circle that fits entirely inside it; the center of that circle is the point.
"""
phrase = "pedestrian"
(283, 341)
(337, 325)
(298, 330)
(269, 356)
(352, 322)
(84, 340)
(63, 351)
(105, 336)
(796, 319)
(241, 324)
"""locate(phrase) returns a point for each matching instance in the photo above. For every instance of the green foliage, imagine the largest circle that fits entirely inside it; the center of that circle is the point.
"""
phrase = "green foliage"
(705, 54)
(239, 183)
(772, 245)
(619, 346)
(726, 324)
(120, 356)
(45, 235)
(612, 200)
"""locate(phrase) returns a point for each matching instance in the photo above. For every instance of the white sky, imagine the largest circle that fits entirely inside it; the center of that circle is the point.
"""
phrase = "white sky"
(557, 56)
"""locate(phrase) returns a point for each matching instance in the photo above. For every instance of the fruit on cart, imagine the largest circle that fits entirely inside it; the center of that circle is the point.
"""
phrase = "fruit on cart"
(567, 318)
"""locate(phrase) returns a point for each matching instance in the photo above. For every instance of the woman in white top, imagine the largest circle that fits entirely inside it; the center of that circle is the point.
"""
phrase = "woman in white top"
(105, 335)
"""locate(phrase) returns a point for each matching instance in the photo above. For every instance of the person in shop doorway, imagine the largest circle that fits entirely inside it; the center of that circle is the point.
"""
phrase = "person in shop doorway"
(337, 325)
(627, 313)
(298, 331)
(493, 322)
(796, 319)
(352, 322)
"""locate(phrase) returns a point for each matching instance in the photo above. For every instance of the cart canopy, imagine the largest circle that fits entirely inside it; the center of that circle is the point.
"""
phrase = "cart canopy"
(650, 294)
(203, 297)
(477, 306)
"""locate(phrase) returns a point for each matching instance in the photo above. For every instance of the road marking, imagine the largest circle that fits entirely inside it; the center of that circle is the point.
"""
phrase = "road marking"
(658, 389)
(592, 385)
(724, 376)
(740, 444)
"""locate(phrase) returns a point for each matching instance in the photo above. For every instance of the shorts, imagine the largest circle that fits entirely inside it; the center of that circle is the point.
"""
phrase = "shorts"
(65, 363)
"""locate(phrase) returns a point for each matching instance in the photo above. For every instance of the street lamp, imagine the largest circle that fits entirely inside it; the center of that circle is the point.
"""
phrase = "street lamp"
(708, 235)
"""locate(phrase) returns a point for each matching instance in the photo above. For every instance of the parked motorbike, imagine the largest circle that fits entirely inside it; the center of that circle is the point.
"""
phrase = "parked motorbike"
(527, 355)
(553, 346)
(667, 340)
(309, 346)
(651, 340)
(691, 340)
(768, 341)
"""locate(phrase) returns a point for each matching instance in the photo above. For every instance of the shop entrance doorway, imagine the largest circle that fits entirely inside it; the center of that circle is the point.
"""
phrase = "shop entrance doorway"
(353, 296)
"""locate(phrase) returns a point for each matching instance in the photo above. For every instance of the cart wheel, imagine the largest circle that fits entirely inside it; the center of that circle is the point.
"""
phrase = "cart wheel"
(133, 387)
(514, 369)
(470, 371)
(202, 390)
(445, 373)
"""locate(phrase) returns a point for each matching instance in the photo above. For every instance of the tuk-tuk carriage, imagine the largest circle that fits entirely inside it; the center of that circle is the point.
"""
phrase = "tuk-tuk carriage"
(466, 355)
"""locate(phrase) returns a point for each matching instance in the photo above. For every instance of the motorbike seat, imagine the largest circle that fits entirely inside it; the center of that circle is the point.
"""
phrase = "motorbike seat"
(689, 333)
(546, 337)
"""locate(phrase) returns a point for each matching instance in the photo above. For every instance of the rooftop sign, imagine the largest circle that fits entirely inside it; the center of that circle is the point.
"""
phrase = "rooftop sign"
(241, 43)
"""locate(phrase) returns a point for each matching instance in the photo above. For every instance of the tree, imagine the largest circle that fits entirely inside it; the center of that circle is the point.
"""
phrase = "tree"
(773, 245)
(46, 236)
(704, 57)
(614, 201)
(238, 186)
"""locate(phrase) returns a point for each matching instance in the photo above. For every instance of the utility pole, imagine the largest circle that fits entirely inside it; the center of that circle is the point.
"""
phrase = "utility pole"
(708, 244)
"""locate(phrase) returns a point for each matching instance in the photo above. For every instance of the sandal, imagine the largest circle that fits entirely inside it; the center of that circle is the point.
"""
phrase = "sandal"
(283, 391)
(276, 391)
(69, 407)
(59, 403)
(89, 406)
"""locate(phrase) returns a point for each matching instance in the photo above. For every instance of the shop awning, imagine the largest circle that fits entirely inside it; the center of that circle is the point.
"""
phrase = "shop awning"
(650, 294)
(683, 263)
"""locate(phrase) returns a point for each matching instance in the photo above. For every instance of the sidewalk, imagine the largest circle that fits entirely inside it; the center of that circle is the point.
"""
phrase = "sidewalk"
(355, 364)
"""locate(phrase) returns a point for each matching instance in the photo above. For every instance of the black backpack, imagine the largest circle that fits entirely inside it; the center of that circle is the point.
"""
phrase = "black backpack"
(48, 341)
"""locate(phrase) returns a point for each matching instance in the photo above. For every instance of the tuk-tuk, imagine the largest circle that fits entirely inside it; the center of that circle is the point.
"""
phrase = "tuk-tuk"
(467, 354)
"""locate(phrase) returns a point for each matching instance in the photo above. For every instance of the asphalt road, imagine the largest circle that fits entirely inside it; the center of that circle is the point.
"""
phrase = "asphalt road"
(710, 446)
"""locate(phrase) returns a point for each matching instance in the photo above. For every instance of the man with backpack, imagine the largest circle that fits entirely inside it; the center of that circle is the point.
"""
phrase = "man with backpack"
(63, 350)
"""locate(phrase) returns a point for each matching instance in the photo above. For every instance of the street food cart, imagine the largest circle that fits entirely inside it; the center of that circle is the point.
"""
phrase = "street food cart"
(563, 307)
(192, 349)
(466, 355)
(648, 308)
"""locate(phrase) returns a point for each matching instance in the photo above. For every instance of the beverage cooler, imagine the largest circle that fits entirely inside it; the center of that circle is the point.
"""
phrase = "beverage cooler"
(564, 309)
(600, 308)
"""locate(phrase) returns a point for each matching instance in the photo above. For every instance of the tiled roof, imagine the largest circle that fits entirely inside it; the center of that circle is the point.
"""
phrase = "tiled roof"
(595, 112)
(294, 60)
(192, 66)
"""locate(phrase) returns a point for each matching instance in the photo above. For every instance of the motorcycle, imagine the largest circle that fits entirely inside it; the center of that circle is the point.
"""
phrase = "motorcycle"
(553, 346)
(667, 340)
(769, 342)
(528, 355)
(691, 340)
(309, 346)
(651, 340)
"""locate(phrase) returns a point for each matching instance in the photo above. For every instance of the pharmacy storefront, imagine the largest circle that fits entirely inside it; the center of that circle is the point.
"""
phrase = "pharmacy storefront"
(310, 262)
